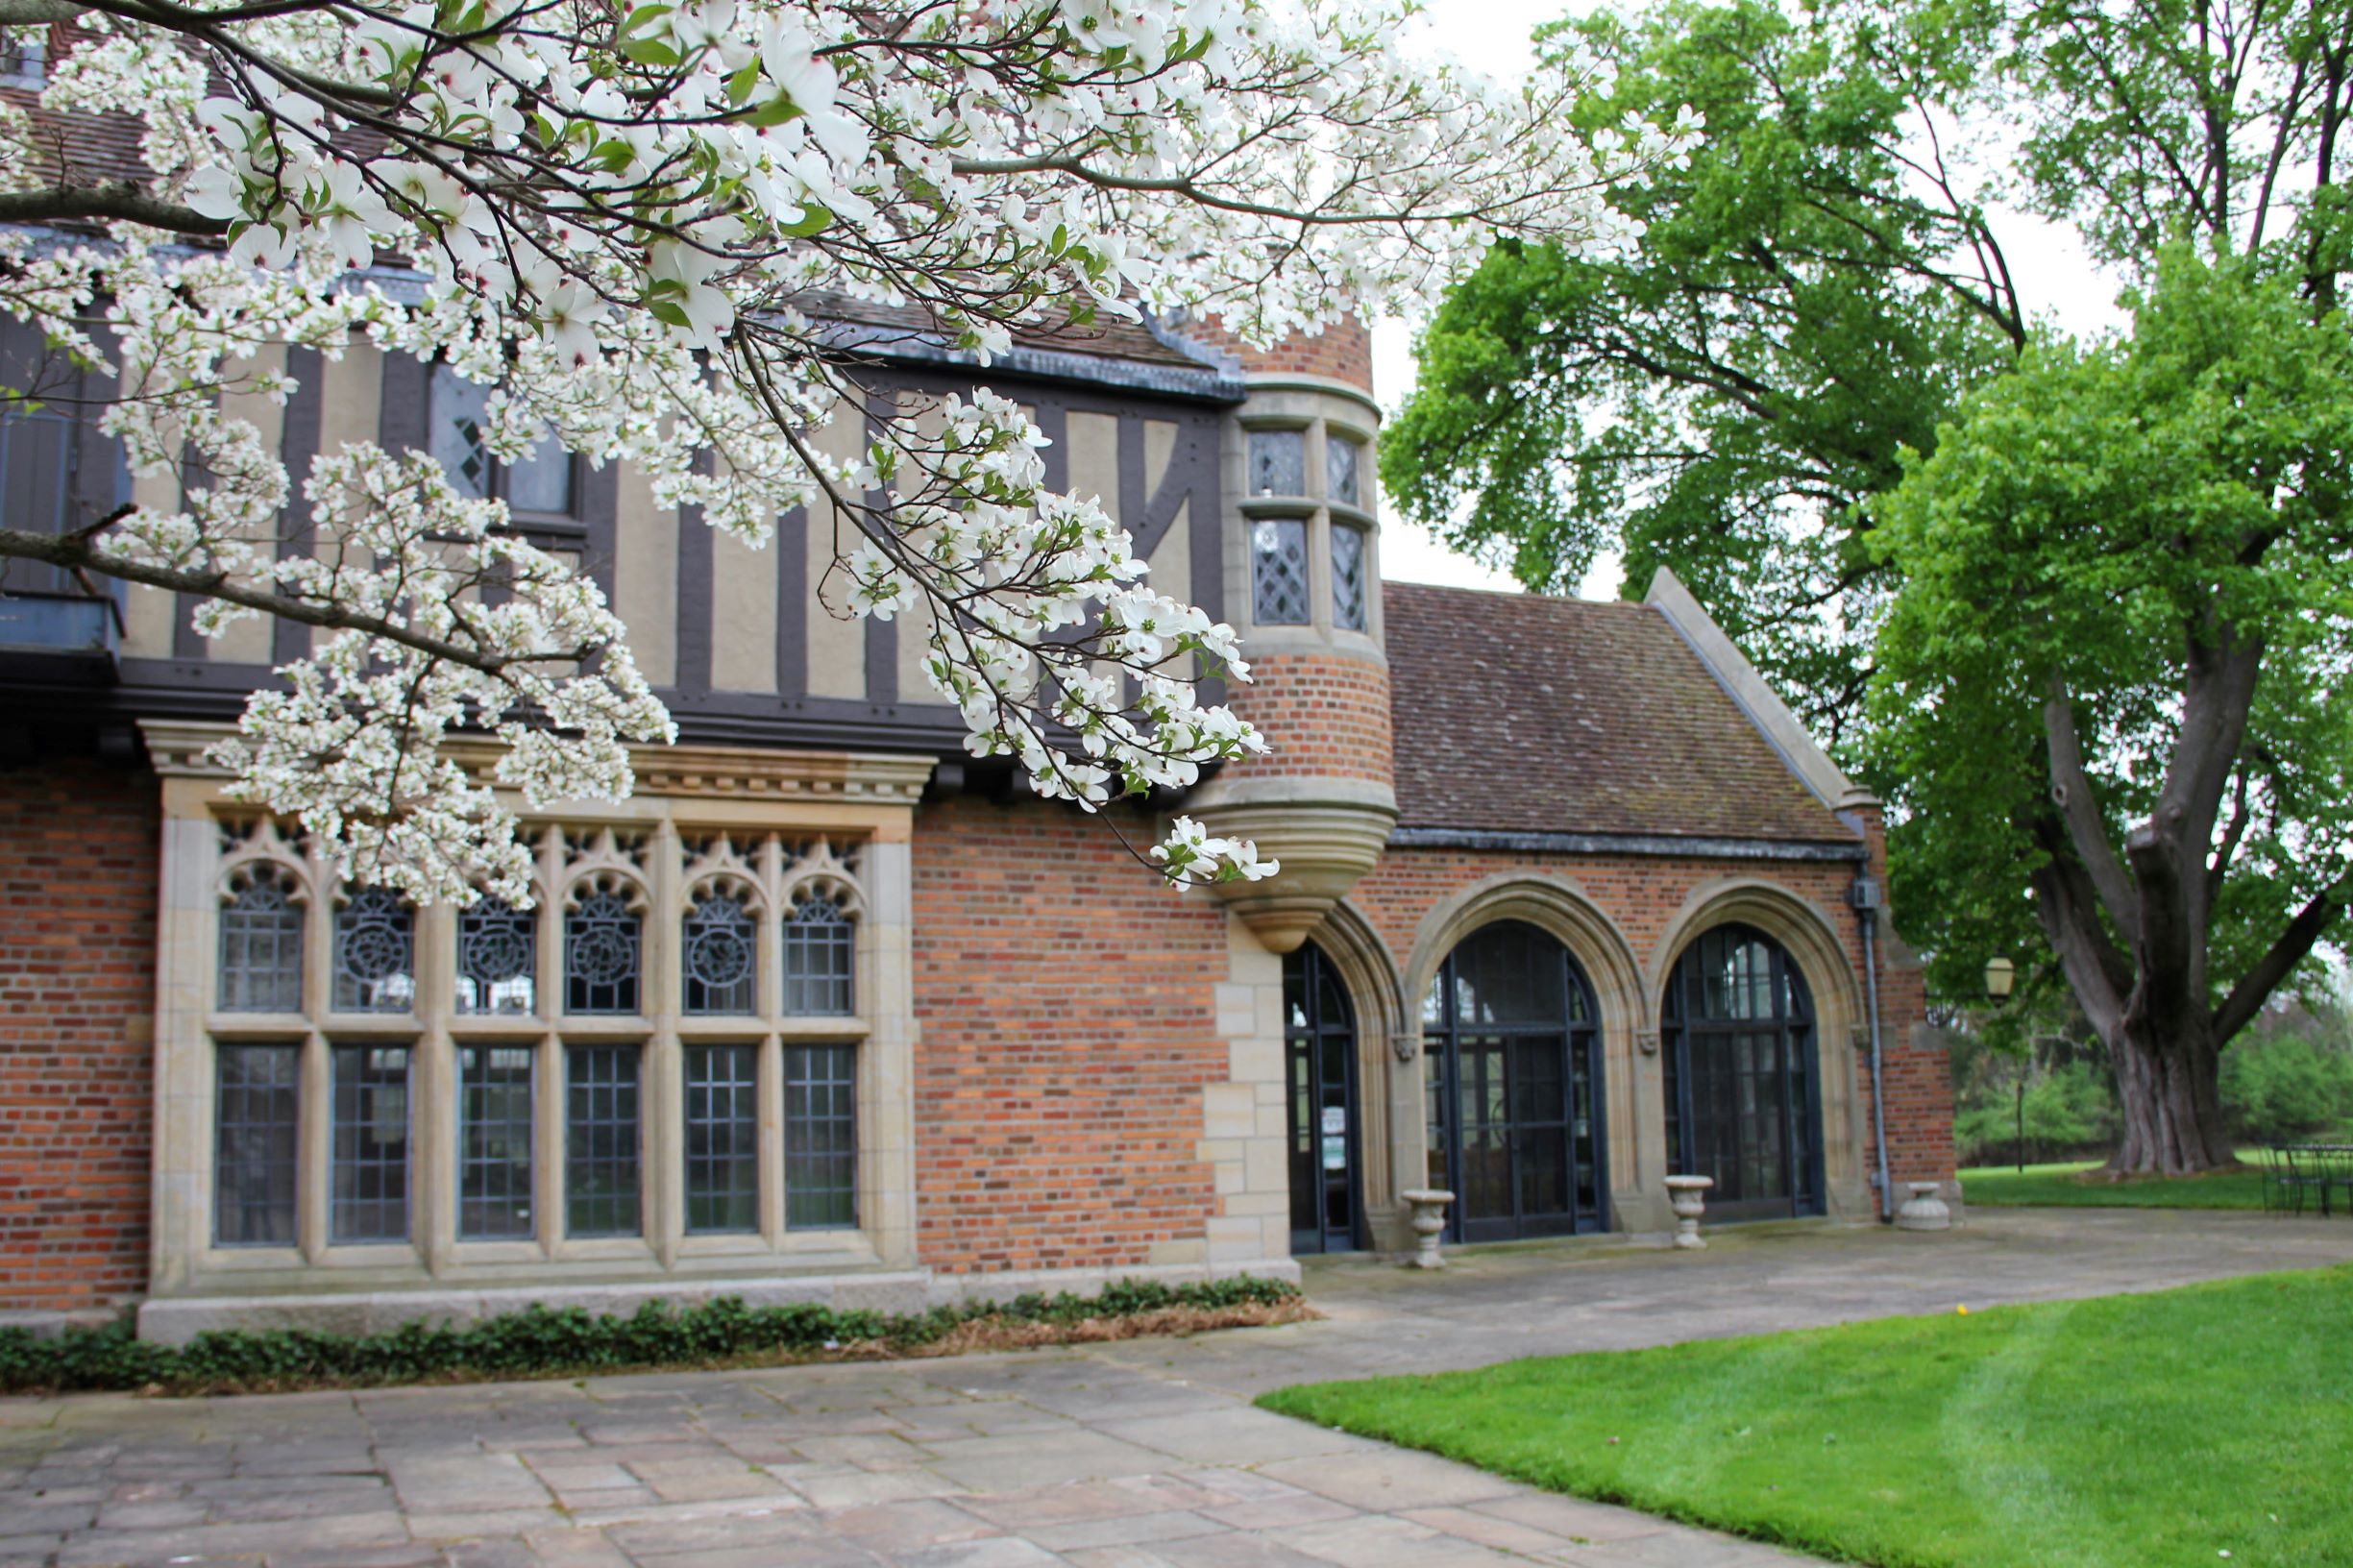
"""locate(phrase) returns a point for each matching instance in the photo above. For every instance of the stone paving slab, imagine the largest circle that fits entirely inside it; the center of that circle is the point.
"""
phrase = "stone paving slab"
(1138, 1454)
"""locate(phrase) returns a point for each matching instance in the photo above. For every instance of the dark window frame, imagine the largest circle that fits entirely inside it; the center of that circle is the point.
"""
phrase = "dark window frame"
(1683, 1020)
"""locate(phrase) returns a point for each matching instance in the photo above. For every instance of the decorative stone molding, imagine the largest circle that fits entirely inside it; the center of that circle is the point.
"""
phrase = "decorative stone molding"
(1325, 847)
(1646, 1039)
(177, 748)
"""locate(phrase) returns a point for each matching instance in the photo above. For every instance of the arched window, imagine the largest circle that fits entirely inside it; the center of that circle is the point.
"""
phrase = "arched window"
(1743, 1101)
(1319, 1047)
(498, 958)
(375, 953)
(1513, 1074)
(603, 944)
(261, 947)
(719, 954)
(819, 949)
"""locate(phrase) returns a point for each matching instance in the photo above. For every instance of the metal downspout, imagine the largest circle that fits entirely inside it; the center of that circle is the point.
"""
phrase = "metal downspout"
(1879, 1099)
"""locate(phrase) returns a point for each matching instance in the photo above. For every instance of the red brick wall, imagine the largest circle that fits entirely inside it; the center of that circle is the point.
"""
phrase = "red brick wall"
(1642, 895)
(1323, 715)
(78, 860)
(1342, 351)
(1066, 1006)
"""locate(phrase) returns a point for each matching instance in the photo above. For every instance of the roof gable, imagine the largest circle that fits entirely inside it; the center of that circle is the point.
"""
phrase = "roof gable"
(1523, 713)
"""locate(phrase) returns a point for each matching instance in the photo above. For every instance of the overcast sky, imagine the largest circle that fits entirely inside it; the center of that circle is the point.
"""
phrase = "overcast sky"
(1492, 36)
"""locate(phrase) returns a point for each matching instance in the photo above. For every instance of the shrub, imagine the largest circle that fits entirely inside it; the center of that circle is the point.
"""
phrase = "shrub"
(2287, 1086)
(541, 1342)
(2069, 1107)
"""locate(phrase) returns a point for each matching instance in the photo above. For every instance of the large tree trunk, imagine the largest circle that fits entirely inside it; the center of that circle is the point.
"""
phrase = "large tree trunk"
(2168, 1079)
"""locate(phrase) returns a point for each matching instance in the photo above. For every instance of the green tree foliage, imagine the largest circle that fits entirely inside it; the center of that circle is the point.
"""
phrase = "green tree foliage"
(2115, 678)
(1815, 293)
(1809, 297)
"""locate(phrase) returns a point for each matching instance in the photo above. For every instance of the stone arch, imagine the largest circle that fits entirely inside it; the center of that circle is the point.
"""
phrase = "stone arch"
(1812, 941)
(1558, 905)
(1368, 974)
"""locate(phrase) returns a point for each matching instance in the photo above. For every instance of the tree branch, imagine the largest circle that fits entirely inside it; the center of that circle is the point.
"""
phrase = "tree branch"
(75, 552)
(122, 199)
(2070, 790)
(2255, 987)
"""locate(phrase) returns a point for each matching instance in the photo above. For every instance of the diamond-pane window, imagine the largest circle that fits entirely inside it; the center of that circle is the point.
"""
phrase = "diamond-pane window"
(375, 953)
(819, 946)
(1348, 584)
(1279, 571)
(498, 958)
(1278, 462)
(603, 939)
(721, 944)
(261, 947)
(457, 417)
(1341, 456)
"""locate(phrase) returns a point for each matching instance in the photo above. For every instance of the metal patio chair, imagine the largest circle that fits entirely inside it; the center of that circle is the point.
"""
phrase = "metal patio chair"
(2292, 1174)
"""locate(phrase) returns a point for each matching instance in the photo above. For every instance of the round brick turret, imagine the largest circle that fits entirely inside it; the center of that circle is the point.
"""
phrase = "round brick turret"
(1303, 576)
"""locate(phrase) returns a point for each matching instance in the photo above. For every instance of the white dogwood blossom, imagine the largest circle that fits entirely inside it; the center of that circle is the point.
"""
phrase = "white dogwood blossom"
(640, 227)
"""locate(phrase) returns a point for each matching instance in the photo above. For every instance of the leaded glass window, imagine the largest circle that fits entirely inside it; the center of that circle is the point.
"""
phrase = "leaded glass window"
(820, 945)
(368, 1170)
(1348, 577)
(494, 1163)
(1279, 571)
(498, 958)
(255, 1117)
(456, 419)
(1341, 456)
(375, 953)
(601, 1140)
(261, 947)
(722, 1154)
(603, 939)
(820, 1137)
(1278, 462)
(720, 956)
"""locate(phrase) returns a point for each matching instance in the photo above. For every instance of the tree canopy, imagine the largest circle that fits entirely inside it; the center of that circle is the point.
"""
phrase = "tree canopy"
(1830, 273)
(2116, 673)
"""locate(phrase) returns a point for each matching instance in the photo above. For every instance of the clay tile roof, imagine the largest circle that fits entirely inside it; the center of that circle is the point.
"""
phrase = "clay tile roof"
(1523, 714)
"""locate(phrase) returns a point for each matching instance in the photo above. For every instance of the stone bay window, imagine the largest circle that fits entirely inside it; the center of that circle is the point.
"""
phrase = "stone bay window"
(688, 1058)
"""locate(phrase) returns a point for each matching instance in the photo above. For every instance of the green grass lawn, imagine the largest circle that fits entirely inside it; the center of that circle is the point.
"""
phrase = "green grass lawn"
(2006, 1187)
(2187, 1427)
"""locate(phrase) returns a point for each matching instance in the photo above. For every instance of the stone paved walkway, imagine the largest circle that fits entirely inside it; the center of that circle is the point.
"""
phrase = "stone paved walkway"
(1143, 1455)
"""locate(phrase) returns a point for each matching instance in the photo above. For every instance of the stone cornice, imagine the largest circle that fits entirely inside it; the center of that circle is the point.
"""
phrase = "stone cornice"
(177, 748)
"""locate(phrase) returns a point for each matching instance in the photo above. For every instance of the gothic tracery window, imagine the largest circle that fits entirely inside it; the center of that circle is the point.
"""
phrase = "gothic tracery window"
(719, 954)
(261, 947)
(820, 942)
(602, 958)
(375, 953)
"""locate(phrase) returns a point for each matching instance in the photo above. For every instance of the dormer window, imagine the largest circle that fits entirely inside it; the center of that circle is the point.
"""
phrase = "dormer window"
(24, 57)
(1278, 462)
(537, 489)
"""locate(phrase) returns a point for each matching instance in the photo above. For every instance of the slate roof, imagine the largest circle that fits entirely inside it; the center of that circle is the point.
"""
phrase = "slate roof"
(1518, 713)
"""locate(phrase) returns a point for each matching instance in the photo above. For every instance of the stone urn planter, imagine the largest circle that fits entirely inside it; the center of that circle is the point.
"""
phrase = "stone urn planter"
(1687, 1196)
(1429, 1223)
(1925, 1210)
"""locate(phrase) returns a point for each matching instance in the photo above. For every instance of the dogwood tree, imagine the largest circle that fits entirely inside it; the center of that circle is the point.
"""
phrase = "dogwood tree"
(629, 218)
